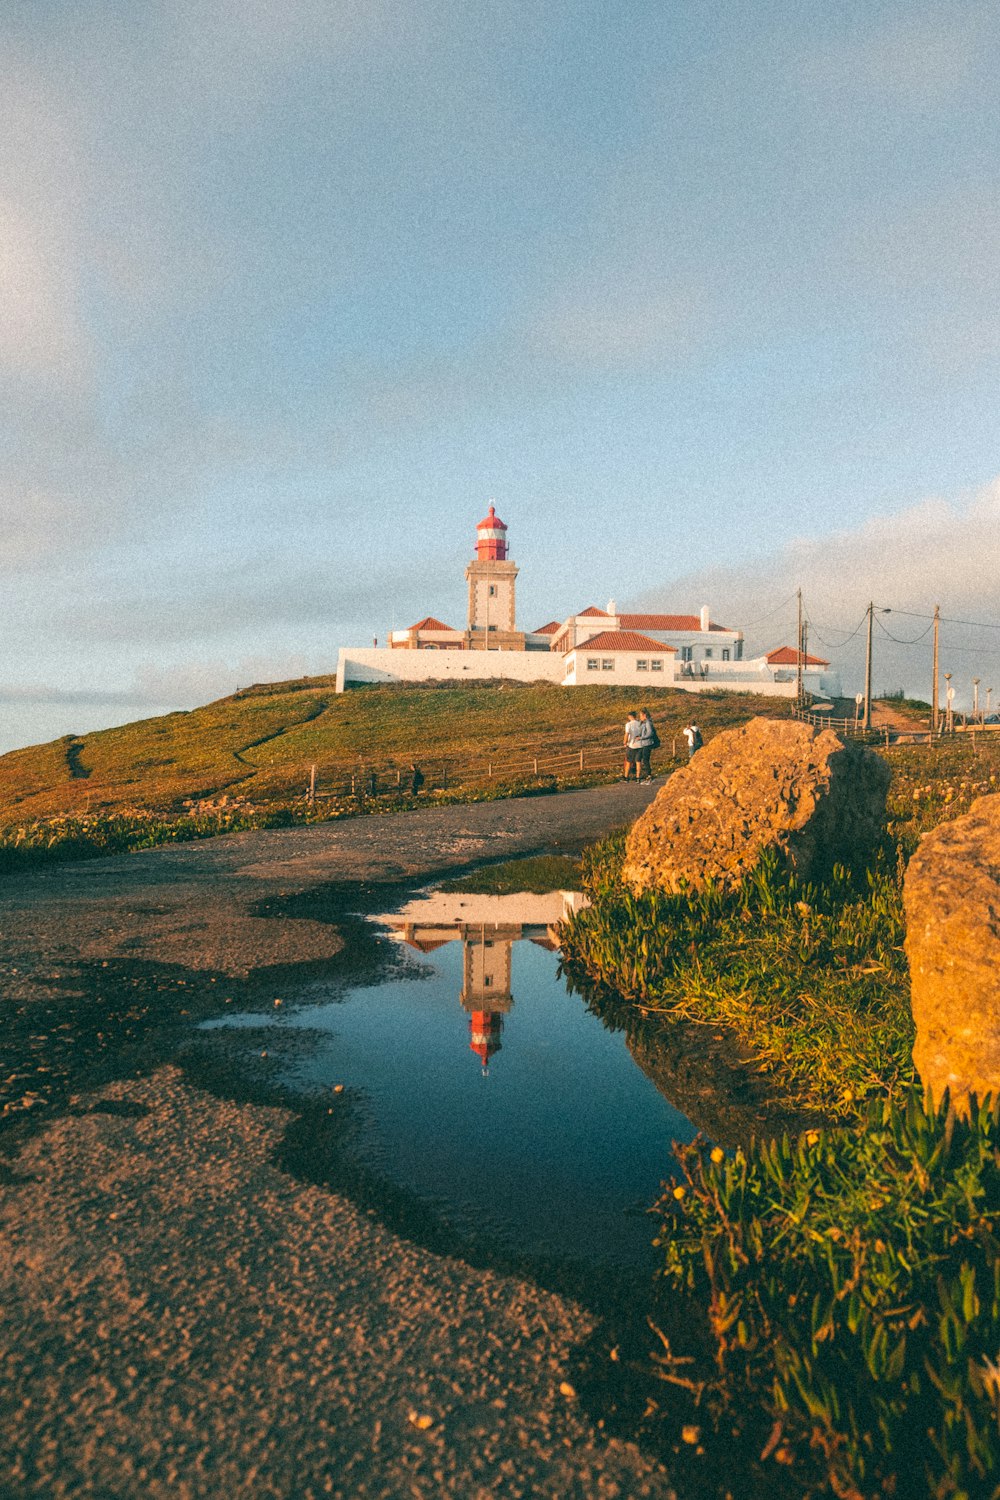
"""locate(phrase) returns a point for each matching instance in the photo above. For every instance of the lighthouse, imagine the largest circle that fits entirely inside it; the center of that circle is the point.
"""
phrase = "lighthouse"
(486, 995)
(491, 590)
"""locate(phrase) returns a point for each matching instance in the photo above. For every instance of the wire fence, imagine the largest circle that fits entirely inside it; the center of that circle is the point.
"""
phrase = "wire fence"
(374, 777)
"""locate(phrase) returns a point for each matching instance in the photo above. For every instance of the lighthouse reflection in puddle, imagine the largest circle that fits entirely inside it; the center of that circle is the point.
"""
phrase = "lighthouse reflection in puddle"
(488, 927)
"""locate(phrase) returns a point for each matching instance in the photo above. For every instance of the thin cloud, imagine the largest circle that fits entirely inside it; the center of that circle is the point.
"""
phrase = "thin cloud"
(914, 61)
(942, 551)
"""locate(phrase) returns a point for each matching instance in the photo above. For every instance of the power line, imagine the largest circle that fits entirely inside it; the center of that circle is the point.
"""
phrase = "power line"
(899, 639)
(945, 619)
(749, 624)
(837, 645)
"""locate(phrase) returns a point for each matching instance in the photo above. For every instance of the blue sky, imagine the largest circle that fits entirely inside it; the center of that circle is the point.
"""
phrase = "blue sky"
(705, 295)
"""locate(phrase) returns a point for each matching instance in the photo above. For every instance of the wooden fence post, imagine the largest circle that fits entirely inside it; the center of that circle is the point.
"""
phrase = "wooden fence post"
(581, 760)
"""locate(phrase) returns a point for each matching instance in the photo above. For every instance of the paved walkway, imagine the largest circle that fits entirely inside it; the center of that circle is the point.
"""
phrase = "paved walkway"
(195, 903)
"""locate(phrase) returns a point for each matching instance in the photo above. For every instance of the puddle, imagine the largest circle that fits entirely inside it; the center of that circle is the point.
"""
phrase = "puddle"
(488, 1090)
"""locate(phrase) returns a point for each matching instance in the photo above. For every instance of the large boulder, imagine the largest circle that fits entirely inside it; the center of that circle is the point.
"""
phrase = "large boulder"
(952, 899)
(775, 784)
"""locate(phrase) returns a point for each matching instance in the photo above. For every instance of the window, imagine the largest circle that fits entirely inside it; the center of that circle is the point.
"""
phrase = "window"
(686, 653)
(642, 664)
(607, 664)
(725, 653)
(592, 664)
(656, 664)
(708, 653)
(487, 981)
(493, 590)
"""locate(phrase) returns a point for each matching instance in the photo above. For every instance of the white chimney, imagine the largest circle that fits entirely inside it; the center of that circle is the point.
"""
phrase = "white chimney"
(612, 607)
(704, 617)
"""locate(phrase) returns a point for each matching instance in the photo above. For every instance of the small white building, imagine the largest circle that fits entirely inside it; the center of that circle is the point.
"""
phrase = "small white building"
(608, 646)
(619, 658)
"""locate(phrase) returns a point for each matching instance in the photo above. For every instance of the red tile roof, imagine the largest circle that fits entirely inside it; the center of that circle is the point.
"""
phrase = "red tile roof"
(593, 610)
(431, 624)
(623, 640)
(549, 629)
(787, 656)
(667, 622)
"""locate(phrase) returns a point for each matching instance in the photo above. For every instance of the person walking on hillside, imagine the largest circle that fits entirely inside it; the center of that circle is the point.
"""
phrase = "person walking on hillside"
(694, 740)
(649, 741)
(633, 734)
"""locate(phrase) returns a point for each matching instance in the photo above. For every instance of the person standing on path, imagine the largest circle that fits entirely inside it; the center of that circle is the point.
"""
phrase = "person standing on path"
(633, 734)
(649, 741)
(694, 740)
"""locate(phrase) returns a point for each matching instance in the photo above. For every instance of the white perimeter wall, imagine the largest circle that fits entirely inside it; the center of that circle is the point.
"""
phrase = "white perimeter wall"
(371, 664)
(379, 664)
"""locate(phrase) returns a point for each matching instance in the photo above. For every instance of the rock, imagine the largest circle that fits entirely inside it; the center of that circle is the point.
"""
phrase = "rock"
(774, 784)
(952, 900)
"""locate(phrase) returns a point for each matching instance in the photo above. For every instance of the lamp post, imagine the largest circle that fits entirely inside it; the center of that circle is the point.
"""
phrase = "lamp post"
(975, 699)
(949, 721)
(989, 695)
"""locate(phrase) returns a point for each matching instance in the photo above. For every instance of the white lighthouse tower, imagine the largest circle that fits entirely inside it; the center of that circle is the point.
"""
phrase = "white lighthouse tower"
(491, 591)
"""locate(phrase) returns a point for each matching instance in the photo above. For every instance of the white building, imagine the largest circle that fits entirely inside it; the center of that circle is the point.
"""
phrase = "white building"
(607, 646)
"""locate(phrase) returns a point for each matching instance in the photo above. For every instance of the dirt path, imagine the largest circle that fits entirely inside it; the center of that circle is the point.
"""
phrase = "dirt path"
(183, 1318)
(196, 904)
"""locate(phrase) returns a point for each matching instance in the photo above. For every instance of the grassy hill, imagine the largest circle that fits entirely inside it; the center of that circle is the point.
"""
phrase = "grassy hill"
(259, 745)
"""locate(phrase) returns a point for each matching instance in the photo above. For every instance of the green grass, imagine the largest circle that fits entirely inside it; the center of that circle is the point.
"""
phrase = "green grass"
(245, 760)
(843, 1333)
(851, 1285)
(812, 979)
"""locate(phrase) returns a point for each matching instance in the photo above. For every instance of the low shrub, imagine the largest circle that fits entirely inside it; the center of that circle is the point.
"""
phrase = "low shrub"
(852, 1285)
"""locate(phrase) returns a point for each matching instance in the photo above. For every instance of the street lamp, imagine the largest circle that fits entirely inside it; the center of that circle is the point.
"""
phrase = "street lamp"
(975, 699)
(949, 722)
(989, 695)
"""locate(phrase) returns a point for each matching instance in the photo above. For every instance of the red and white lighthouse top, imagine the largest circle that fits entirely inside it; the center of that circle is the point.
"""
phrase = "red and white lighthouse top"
(491, 538)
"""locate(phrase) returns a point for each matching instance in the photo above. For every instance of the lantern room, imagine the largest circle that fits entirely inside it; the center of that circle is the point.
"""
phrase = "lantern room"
(491, 538)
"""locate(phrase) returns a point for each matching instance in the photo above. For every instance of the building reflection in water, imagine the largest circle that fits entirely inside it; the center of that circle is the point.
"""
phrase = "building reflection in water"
(488, 927)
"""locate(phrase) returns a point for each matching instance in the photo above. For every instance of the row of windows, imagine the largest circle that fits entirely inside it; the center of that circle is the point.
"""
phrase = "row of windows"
(642, 664)
(688, 651)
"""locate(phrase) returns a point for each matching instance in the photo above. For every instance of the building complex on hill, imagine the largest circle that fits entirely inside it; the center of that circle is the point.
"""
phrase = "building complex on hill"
(608, 646)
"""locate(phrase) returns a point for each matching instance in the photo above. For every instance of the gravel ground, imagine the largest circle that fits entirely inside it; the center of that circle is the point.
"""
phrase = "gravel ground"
(182, 1318)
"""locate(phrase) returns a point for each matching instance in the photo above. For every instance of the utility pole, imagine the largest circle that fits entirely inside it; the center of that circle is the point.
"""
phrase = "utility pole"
(934, 686)
(868, 669)
(975, 699)
(798, 655)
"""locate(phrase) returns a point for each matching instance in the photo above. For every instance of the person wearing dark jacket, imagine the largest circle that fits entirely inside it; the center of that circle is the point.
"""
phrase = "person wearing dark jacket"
(649, 741)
